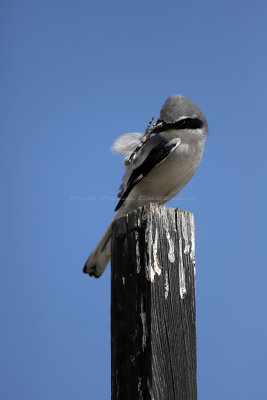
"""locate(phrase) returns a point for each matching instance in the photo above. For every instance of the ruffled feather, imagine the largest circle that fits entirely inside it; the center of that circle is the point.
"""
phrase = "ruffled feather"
(127, 143)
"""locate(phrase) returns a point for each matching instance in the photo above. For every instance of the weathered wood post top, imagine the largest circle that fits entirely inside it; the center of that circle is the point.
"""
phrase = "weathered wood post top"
(153, 323)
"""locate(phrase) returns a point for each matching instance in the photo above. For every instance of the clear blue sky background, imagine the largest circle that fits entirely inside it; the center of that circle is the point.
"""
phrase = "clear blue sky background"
(74, 75)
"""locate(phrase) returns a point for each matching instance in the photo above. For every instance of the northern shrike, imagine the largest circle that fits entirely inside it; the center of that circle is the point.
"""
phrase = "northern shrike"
(158, 165)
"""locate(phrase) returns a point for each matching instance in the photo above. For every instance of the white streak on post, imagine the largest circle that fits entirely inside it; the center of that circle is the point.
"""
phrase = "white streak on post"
(150, 273)
(167, 287)
(192, 252)
(143, 318)
(166, 223)
(152, 264)
(137, 252)
(183, 237)
(181, 271)
(185, 234)
(157, 269)
(171, 256)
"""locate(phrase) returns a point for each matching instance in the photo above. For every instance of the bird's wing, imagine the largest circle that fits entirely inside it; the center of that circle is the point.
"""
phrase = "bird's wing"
(156, 150)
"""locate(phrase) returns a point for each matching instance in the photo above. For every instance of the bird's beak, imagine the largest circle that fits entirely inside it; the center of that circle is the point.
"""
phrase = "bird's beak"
(158, 126)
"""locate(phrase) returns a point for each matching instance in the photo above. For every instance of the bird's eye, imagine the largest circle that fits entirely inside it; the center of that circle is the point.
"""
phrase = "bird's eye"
(189, 123)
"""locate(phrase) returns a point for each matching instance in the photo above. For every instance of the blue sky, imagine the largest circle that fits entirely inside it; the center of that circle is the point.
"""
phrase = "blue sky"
(74, 75)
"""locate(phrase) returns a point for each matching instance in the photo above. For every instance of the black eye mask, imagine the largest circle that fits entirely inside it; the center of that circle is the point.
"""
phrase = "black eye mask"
(186, 123)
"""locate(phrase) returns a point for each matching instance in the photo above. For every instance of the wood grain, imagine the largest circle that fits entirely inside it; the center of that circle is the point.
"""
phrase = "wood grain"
(153, 322)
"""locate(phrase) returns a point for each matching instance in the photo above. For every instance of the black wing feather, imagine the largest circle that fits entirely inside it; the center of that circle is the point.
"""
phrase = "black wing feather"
(155, 157)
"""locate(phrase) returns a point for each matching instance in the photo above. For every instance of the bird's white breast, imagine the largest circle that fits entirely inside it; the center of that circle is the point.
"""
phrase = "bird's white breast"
(167, 179)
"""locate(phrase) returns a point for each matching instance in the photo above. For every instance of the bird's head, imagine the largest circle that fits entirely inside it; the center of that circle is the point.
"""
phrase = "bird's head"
(179, 112)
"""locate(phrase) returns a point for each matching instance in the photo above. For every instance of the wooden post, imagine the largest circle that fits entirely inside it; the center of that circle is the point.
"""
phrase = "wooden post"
(153, 328)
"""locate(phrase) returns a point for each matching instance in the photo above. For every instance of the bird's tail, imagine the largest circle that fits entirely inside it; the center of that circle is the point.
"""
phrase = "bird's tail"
(98, 260)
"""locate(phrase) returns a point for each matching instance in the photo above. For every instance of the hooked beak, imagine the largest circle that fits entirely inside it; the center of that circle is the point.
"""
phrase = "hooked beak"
(158, 126)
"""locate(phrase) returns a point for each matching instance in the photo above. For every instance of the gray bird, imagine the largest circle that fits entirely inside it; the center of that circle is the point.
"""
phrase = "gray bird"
(160, 167)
